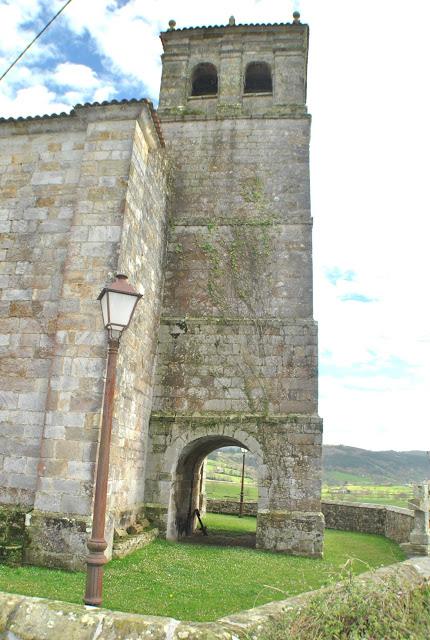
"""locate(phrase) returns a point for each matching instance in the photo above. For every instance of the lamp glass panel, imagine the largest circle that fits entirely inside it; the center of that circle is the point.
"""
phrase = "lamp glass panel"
(104, 305)
(120, 308)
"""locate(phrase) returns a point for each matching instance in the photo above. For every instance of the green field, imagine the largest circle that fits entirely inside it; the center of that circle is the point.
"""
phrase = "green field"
(223, 482)
(220, 490)
(224, 475)
(222, 471)
(394, 495)
(198, 582)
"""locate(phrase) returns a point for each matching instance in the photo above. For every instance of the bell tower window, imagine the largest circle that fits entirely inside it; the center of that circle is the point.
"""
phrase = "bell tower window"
(204, 80)
(258, 78)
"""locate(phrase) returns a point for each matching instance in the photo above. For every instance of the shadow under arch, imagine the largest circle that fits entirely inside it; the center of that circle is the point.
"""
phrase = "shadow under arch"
(185, 495)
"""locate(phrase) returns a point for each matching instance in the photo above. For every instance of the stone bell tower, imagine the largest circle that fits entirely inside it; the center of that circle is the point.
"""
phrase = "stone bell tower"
(237, 356)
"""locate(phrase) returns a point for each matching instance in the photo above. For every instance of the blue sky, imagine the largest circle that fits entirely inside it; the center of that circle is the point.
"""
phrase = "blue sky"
(369, 97)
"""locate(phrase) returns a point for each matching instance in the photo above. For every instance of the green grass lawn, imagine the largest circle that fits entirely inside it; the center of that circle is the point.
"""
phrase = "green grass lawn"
(193, 582)
(219, 523)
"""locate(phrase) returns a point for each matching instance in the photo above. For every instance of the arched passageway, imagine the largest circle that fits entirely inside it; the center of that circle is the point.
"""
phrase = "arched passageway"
(288, 475)
(188, 487)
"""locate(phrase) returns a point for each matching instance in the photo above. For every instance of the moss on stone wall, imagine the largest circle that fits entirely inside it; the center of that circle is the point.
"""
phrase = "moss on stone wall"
(13, 538)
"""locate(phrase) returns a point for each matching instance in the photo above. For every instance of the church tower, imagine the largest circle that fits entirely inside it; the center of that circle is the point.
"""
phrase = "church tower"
(237, 354)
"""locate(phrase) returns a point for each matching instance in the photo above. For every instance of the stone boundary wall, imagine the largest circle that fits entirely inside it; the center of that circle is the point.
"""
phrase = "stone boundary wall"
(394, 523)
(22, 617)
(229, 507)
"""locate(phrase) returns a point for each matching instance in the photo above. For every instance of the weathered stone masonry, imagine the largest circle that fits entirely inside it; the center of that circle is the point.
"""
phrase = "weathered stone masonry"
(94, 192)
(237, 358)
(82, 196)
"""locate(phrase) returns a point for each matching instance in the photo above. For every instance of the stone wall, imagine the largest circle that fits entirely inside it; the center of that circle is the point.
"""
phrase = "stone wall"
(392, 522)
(84, 196)
(39, 177)
(228, 365)
(230, 507)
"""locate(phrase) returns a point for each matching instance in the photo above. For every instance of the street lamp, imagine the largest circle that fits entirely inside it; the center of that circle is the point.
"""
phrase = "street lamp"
(118, 301)
(241, 484)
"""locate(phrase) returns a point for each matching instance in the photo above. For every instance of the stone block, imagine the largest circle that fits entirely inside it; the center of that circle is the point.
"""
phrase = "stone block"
(123, 546)
(68, 450)
(34, 401)
(80, 470)
(15, 465)
(56, 540)
(296, 533)
(104, 234)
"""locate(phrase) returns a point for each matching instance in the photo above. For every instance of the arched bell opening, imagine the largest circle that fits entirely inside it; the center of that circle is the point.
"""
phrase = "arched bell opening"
(204, 80)
(258, 78)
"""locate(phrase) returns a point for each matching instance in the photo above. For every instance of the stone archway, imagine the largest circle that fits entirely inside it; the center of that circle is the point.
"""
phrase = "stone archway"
(185, 492)
(289, 518)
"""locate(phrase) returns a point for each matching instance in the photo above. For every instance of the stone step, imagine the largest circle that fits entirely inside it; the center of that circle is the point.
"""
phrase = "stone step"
(11, 554)
(128, 544)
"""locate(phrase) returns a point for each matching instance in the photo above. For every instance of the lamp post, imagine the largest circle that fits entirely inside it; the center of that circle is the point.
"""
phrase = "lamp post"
(241, 483)
(118, 301)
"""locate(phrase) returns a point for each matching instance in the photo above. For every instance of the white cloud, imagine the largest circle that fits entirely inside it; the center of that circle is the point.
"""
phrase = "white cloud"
(104, 93)
(12, 16)
(20, 21)
(76, 76)
(38, 100)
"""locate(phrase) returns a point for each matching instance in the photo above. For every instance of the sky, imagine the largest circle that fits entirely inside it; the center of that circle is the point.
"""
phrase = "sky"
(369, 96)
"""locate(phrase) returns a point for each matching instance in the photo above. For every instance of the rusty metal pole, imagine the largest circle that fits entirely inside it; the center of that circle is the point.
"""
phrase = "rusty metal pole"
(241, 485)
(97, 544)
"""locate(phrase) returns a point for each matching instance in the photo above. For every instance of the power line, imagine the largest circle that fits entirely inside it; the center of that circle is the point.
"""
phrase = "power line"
(34, 39)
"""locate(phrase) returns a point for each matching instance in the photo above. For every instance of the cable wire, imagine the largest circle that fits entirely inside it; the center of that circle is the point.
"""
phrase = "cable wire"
(34, 40)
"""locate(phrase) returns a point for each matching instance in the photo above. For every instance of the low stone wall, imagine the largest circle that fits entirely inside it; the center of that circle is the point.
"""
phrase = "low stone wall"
(398, 524)
(22, 617)
(394, 523)
(230, 508)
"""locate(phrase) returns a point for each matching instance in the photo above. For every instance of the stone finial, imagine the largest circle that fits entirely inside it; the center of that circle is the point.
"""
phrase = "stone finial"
(232, 21)
(296, 17)
(172, 25)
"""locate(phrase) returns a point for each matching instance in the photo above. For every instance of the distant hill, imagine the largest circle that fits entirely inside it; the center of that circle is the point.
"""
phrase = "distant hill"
(350, 464)
(343, 464)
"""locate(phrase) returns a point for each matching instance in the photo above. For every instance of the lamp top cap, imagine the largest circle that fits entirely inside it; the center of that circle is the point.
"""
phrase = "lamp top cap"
(120, 285)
